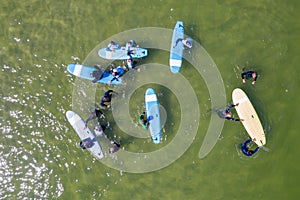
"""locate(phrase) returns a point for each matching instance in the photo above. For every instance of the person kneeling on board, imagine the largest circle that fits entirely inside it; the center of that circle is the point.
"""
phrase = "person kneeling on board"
(249, 75)
(130, 44)
(97, 74)
(187, 43)
(84, 144)
(112, 46)
(117, 72)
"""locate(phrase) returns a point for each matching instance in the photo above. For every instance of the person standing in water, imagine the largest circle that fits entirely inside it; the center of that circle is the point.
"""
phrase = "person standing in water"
(246, 150)
(249, 75)
(97, 113)
(226, 114)
(106, 98)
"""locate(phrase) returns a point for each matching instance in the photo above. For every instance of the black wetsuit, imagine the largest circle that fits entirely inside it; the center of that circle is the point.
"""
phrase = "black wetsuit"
(97, 113)
(227, 111)
(97, 74)
(115, 147)
(248, 75)
(246, 151)
(106, 98)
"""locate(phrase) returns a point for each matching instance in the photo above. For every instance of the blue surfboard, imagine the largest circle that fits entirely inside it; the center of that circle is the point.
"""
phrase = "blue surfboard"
(121, 53)
(85, 71)
(153, 115)
(176, 50)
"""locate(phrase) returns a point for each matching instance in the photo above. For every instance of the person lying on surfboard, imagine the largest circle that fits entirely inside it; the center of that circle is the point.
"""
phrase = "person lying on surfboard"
(249, 75)
(187, 43)
(97, 74)
(226, 114)
(117, 72)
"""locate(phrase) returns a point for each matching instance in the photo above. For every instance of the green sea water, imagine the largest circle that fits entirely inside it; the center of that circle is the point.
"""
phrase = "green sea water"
(39, 155)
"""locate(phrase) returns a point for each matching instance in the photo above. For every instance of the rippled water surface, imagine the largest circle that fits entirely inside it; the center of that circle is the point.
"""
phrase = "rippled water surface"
(39, 154)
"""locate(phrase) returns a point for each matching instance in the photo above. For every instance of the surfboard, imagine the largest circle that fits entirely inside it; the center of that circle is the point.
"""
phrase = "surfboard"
(83, 71)
(176, 52)
(85, 134)
(153, 115)
(121, 53)
(246, 111)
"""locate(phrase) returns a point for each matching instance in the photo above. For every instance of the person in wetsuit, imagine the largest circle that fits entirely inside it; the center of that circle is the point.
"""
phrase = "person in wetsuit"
(187, 43)
(112, 46)
(117, 72)
(249, 75)
(115, 147)
(106, 98)
(245, 149)
(227, 114)
(144, 121)
(97, 113)
(97, 74)
(84, 144)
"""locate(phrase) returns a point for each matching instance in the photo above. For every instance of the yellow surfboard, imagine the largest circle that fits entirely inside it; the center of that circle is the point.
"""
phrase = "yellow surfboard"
(246, 111)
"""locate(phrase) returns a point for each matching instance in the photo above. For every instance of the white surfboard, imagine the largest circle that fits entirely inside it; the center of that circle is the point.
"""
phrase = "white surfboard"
(251, 122)
(85, 134)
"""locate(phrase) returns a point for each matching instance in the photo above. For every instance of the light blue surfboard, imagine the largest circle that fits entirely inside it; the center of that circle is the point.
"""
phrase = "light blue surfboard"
(121, 53)
(85, 71)
(176, 52)
(153, 115)
(85, 134)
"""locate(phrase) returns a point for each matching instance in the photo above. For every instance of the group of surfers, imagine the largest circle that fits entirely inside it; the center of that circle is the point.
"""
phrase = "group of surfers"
(144, 122)
(97, 74)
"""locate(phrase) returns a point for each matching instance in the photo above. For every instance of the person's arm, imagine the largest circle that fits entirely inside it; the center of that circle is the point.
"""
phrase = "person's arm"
(229, 107)
(233, 119)
(254, 80)
(114, 78)
(243, 77)
(103, 104)
(86, 121)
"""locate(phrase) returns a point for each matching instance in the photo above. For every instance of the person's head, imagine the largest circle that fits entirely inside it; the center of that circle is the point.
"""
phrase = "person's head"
(254, 75)
(228, 114)
(111, 150)
(105, 98)
(114, 72)
(91, 75)
(112, 42)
